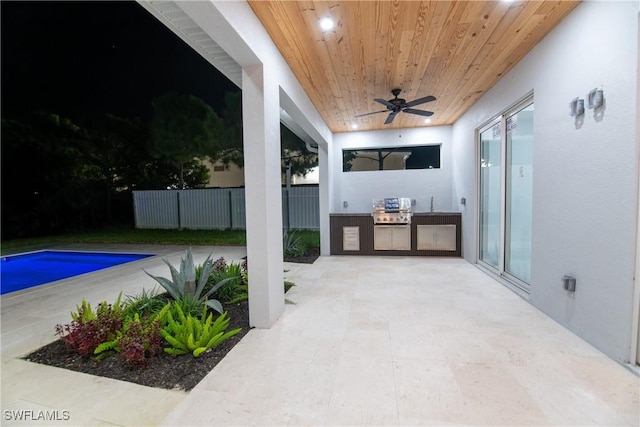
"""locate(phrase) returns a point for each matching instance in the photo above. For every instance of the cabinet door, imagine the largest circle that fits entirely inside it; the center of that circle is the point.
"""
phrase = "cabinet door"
(426, 237)
(401, 238)
(436, 237)
(351, 238)
(446, 237)
(391, 238)
(382, 238)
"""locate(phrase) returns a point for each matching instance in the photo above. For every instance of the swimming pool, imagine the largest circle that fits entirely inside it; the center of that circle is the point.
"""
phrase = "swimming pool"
(36, 268)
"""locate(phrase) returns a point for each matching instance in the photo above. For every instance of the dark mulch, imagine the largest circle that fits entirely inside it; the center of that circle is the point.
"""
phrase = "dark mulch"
(309, 257)
(163, 370)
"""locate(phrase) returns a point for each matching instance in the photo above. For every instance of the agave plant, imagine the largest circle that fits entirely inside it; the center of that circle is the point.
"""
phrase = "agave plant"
(183, 281)
(292, 244)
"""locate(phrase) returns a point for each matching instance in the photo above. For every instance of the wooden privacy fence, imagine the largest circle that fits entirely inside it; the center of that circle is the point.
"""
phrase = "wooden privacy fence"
(219, 208)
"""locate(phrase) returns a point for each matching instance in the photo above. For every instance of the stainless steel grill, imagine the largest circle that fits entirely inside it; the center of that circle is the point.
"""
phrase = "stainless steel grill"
(392, 211)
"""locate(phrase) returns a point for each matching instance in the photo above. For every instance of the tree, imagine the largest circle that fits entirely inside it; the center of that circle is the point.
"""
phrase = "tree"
(348, 156)
(294, 153)
(44, 179)
(376, 155)
(184, 128)
(231, 146)
(161, 174)
(293, 150)
(108, 144)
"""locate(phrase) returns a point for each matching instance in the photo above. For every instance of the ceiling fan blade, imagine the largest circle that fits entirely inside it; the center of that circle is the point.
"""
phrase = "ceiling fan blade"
(385, 102)
(375, 112)
(419, 101)
(418, 112)
(390, 118)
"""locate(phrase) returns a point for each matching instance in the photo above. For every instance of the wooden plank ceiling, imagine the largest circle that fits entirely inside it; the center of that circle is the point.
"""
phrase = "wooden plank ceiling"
(453, 50)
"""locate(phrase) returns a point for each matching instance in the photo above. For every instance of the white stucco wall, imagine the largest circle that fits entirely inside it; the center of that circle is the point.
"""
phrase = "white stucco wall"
(584, 174)
(359, 188)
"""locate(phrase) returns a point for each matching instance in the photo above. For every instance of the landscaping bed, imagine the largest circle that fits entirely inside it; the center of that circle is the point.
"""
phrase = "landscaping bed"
(309, 257)
(163, 370)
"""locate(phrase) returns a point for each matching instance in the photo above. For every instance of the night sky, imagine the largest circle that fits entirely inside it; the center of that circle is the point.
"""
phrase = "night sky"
(77, 58)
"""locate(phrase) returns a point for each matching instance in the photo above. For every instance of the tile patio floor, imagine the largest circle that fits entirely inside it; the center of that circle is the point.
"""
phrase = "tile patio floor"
(369, 341)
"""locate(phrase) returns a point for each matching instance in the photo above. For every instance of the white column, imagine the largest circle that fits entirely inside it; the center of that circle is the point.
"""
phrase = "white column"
(263, 196)
(324, 185)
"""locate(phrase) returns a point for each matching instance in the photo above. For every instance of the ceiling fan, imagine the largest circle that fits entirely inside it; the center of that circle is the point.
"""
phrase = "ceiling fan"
(399, 105)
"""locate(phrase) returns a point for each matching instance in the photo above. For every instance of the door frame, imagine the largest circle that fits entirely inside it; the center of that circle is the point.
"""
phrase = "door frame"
(634, 355)
(501, 118)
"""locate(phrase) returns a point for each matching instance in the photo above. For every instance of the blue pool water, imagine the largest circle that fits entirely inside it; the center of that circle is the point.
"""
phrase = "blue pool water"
(32, 269)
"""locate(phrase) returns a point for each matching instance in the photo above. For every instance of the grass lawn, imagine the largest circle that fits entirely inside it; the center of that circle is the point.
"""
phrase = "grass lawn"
(134, 236)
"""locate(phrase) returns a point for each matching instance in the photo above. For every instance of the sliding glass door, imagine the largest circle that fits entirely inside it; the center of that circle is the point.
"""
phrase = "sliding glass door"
(490, 191)
(505, 193)
(519, 187)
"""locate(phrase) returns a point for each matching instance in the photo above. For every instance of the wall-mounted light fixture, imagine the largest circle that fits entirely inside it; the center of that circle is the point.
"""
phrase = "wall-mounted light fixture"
(569, 283)
(595, 99)
(576, 107)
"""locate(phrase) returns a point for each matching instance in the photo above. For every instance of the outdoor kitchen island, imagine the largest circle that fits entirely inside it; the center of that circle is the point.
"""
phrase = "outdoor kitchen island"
(427, 234)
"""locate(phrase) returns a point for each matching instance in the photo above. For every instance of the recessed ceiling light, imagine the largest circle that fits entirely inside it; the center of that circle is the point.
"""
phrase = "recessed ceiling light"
(427, 120)
(326, 24)
(354, 126)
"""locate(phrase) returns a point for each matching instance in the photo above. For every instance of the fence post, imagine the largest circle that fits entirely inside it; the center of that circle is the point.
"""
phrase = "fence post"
(179, 214)
(288, 178)
(230, 211)
(135, 210)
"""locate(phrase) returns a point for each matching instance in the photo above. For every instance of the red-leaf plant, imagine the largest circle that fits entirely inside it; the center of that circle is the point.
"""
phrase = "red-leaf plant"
(140, 341)
(88, 330)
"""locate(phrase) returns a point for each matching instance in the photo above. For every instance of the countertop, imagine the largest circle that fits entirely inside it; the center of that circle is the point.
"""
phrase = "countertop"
(414, 214)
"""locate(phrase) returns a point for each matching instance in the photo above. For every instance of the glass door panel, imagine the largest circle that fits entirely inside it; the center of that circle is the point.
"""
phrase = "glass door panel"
(490, 161)
(505, 194)
(519, 187)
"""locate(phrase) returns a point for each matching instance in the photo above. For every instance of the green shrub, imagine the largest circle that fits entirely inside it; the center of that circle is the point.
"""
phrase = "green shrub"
(309, 238)
(145, 303)
(190, 305)
(235, 288)
(84, 313)
(188, 334)
(288, 285)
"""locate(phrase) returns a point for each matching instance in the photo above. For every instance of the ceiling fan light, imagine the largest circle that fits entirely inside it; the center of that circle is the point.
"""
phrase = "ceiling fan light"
(354, 126)
(427, 120)
(326, 23)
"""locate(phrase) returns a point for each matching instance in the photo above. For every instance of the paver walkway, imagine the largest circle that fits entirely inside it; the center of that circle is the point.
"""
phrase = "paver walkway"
(410, 341)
